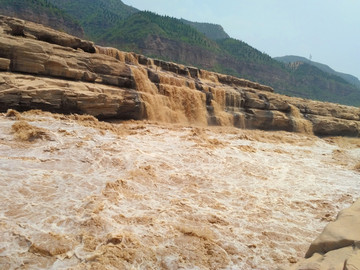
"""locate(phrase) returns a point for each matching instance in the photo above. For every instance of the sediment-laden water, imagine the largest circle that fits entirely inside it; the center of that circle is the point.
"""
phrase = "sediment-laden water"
(80, 194)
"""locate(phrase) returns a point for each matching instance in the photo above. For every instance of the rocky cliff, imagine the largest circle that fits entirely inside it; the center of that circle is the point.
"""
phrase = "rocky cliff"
(41, 68)
(43, 12)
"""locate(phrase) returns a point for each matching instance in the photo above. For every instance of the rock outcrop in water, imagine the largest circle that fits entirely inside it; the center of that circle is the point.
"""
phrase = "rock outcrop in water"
(338, 246)
(45, 69)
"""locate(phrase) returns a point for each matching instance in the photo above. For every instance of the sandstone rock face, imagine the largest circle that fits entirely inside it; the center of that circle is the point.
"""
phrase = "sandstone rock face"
(41, 68)
(40, 16)
(338, 246)
(17, 27)
(25, 92)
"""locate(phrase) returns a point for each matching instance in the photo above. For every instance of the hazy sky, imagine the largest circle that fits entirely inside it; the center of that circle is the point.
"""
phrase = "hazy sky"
(328, 30)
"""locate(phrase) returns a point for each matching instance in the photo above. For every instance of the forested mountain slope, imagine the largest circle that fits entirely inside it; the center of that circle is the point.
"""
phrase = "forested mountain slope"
(293, 58)
(204, 45)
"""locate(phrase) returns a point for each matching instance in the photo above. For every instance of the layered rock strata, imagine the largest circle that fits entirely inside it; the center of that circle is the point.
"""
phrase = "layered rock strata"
(41, 68)
(43, 16)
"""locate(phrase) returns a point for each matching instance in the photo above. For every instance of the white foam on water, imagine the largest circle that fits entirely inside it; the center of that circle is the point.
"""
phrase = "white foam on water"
(149, 196)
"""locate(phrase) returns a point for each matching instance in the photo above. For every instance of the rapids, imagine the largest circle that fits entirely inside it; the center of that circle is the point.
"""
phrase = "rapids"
(77, 193)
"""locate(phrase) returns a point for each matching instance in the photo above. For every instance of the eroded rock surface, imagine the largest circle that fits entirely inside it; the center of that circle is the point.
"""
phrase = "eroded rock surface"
(338, 246)
(45, 69)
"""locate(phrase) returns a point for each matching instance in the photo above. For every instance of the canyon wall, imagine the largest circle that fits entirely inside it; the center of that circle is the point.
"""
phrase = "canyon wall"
(41, 68)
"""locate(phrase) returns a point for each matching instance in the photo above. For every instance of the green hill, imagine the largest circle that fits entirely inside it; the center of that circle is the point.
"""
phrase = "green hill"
(293, 58)
(212, 31)
(130, 33)
(310, 82)
(96, 16)
(205, 45)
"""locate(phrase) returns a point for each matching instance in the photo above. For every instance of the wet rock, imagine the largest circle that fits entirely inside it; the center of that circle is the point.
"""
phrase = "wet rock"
(194, 72)
(268, 120)
(153, 76)
(253, 100)
(331, 126)
(68, 75)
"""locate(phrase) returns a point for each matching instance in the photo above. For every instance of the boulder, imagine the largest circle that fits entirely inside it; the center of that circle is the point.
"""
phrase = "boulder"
(343, 232)
(253, 100)
(331, 126)
(268, 120)
(338, 246)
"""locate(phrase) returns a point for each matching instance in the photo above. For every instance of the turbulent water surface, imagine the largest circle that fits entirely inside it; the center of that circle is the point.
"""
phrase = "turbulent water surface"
(80, 194)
